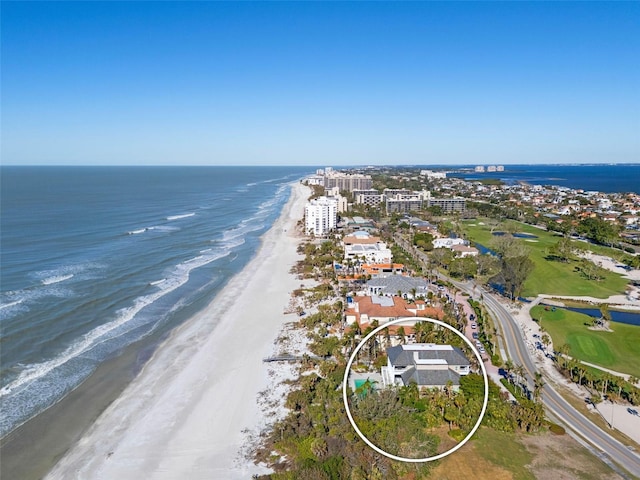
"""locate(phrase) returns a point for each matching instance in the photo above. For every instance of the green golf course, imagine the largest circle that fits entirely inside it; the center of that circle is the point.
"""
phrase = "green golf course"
(616, 350)
(549, 276)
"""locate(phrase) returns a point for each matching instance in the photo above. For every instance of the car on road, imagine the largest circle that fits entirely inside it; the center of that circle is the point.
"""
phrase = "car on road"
(632, 411)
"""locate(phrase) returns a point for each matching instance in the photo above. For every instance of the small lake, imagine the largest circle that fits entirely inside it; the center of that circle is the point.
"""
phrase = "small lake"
(517, 235)
(630, 318)
(484, 250)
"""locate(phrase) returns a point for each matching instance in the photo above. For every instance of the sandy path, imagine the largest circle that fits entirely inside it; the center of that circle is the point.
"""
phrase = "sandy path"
(184, 416)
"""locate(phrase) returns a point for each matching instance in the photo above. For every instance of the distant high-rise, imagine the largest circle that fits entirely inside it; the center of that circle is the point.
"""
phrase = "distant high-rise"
(433, 175)
(346, 181)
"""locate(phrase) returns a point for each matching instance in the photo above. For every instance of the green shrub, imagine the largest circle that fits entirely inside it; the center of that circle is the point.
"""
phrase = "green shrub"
(556, 429)
(457, 434)
(496, 360)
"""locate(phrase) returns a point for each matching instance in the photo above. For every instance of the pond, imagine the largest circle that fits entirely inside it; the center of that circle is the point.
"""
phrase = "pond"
(484, 250)
(517, 235)
(630, 318)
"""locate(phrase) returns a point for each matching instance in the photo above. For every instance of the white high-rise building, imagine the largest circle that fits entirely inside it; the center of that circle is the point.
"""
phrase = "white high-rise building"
(321, 215)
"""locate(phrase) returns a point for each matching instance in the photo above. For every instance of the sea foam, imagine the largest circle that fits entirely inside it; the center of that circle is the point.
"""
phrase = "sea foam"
(178, 217)
(179, 276)
(56, 279)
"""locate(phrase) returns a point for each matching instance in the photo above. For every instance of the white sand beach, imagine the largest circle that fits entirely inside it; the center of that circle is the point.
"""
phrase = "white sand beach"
(185, 414)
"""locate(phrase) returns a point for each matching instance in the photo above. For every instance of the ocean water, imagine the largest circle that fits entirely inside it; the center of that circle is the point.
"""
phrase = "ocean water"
(603, 178)
(95, 259)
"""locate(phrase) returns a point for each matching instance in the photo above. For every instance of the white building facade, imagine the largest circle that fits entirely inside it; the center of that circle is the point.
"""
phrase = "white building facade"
(320, 216)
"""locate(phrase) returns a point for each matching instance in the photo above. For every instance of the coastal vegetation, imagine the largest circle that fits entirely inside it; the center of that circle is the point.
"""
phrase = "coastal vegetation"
(487, 334)
(316, 441)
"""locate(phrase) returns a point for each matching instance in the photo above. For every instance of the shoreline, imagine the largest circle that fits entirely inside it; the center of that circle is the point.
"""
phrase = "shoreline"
(190, 408)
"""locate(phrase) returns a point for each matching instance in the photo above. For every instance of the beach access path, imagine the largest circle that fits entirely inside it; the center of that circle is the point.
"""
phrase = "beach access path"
(184, 415)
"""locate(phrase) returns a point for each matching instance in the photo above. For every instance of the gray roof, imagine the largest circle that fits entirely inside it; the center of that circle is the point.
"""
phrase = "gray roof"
(402, 355)
(394, 283)
(426, 378)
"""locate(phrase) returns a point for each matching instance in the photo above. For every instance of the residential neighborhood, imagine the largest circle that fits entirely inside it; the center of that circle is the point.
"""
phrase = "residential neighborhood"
(412, 245)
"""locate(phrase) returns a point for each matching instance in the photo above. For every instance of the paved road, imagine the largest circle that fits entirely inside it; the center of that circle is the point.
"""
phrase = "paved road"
(555, 404)
(610, 448)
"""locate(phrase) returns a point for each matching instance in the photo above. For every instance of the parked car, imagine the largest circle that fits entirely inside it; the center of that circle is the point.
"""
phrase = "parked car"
(474, 326)
(474, 335)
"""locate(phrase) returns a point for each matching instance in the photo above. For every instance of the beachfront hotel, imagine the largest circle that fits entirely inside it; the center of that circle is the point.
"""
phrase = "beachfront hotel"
(320, 216)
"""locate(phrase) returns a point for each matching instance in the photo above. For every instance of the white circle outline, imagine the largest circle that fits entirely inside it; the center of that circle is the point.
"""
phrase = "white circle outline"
(440, 455)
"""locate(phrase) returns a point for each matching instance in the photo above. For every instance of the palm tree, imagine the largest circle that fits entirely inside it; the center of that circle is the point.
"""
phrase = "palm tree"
(420, 331)
(606, 315)
(581, 373)
(366, 387)
(400, 333)
(564, 351)
(508, 368)
(538, 383)
(521, 375)
(606, 378)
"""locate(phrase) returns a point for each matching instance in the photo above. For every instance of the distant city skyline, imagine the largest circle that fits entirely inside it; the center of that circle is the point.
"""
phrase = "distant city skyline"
(314, 83)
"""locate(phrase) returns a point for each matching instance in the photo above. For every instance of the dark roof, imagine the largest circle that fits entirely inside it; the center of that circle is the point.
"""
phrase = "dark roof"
(402, 355)
(394, 283)
(426, 378)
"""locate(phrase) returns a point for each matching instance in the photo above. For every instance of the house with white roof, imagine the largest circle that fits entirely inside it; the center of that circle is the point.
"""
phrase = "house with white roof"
(362, 246)
(447, 242)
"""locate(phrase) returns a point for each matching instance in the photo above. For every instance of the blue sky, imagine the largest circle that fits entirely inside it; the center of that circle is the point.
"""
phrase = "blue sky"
(315, 83)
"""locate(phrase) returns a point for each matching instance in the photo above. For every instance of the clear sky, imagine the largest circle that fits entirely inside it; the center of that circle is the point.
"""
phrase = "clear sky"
(320, 83)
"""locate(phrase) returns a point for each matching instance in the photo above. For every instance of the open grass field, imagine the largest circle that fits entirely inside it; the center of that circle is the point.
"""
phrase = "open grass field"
(493, 455)
(617, 350)
(549, 276)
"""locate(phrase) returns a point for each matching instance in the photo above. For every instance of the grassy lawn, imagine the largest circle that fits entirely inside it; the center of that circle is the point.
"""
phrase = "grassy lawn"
(493, 455)
(617, 350)
(511, 454)
(550, 277)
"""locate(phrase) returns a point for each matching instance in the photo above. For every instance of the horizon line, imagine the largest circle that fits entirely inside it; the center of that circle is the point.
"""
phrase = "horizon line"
(415, 165)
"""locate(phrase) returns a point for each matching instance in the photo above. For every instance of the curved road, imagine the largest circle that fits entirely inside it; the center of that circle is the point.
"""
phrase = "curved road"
(611, 449)
(552, 400)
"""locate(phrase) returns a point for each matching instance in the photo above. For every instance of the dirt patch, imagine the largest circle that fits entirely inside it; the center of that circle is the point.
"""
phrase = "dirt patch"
(468, 463)
(561, 457)
(446, 441)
